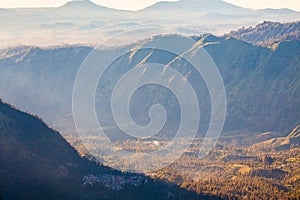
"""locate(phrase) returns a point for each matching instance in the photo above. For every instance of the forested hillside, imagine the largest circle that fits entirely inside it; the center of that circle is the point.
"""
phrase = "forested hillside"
(268, 33)
(37, 163)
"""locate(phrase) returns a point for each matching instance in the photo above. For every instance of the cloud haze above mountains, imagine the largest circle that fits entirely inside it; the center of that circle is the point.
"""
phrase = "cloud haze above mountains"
(137, 4)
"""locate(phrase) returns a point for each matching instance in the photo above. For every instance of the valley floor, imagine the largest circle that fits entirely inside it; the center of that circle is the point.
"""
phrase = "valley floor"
(259, 171)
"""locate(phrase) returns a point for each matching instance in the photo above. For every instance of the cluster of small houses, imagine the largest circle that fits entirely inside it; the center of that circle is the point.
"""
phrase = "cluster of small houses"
(115, 182)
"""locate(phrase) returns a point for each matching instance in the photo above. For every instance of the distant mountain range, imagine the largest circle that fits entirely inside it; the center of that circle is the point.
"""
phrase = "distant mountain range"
(268, 33)
(83, 22)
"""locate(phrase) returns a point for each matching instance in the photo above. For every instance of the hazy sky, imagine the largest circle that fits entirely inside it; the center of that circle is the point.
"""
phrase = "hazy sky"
(138, 4)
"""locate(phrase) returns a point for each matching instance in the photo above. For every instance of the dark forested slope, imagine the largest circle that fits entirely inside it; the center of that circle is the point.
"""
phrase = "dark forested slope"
(37, 163)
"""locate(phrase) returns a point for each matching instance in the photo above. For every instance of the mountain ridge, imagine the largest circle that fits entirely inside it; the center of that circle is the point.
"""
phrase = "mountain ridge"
(244, 68)
(196, 6)
(268, 33)
(87, 5)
